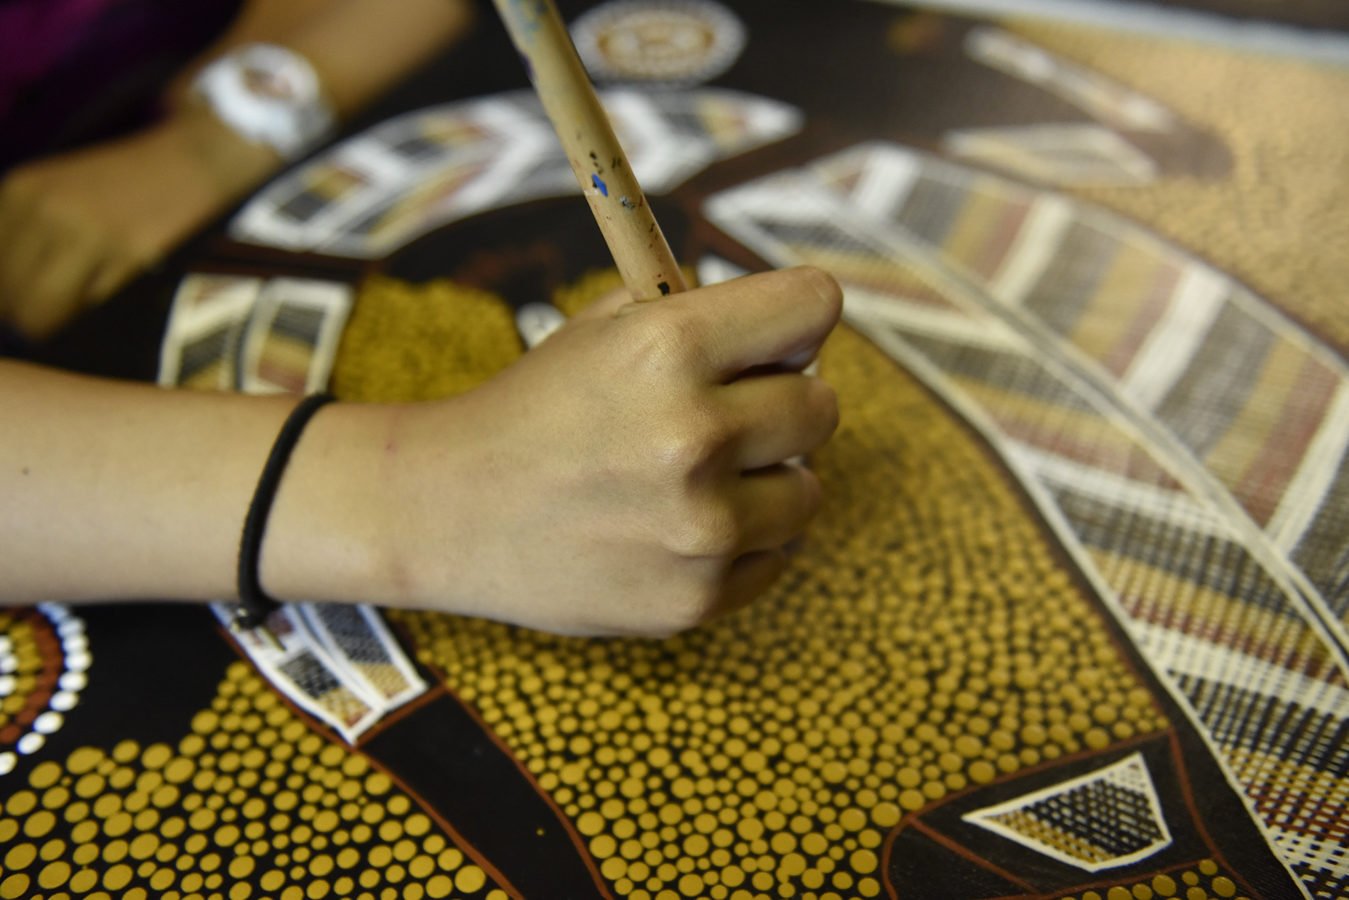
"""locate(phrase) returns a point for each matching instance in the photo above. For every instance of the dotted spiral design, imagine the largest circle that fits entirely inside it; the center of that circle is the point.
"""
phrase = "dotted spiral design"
(44, 664)
(675, 42)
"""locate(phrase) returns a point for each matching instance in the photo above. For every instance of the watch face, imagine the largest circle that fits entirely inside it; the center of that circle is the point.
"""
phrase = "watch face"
(274, 85)
(268, 94)
(660, 41)
(263, 78)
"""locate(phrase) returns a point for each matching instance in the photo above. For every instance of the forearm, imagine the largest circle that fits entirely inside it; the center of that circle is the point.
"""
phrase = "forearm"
(363, 47)
(113, 490)
(359, 47)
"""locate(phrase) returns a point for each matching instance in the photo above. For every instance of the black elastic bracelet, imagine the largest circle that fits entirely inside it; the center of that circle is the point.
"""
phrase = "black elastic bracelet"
(254, 603)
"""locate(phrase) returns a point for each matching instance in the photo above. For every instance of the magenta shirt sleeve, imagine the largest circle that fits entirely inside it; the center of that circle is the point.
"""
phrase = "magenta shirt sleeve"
(74, 71)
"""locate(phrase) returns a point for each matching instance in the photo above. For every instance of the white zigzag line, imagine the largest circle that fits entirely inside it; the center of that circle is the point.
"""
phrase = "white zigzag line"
(1184, 654)
(1173, 507)
(1305, 850)
(1320, 464)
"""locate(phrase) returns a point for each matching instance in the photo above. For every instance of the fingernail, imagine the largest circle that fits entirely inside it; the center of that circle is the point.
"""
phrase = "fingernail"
(824, 285)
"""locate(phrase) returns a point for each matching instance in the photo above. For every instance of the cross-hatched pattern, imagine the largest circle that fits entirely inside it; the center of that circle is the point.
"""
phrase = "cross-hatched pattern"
(380, 189)
(1106, 818)
(1113, 820)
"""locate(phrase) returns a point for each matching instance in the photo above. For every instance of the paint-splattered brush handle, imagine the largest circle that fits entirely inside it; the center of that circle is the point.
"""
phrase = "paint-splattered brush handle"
(635, 240)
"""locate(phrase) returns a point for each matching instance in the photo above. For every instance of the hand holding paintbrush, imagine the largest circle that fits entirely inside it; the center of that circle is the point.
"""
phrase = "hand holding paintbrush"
(639, 459)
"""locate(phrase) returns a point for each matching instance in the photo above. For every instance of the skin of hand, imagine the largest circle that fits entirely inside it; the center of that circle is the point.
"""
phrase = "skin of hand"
(78, 226)
(629, 476)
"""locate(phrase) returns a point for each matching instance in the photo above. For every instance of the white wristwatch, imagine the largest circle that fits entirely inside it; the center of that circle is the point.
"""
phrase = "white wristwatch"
(269, 95)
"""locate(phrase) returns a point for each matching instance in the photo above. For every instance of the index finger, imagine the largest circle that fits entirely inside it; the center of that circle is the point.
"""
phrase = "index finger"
(777, 318)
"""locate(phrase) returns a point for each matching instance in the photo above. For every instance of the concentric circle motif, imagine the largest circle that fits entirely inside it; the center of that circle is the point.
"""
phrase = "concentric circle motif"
(674, 42)
(44, 664)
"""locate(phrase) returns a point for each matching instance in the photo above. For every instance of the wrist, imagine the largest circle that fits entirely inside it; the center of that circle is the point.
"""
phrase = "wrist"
(228, 163)
(332, 534)
(440, 495)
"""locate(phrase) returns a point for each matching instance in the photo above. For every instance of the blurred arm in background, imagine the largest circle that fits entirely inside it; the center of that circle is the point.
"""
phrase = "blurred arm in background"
(77, 225)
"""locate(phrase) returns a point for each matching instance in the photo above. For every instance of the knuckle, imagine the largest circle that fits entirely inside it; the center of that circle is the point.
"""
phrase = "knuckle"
(704, 531)
(673, 339)
(695, 439)
(680, 453)
(696, 607)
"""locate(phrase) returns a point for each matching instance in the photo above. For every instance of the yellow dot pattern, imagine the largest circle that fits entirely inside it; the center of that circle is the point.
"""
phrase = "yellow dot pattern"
(249, 804)
(572, 298)
(1205, 881)
(408, 342)
(928, 640)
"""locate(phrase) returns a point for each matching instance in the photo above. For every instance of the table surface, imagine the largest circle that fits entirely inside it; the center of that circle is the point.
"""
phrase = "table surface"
(1072, 624)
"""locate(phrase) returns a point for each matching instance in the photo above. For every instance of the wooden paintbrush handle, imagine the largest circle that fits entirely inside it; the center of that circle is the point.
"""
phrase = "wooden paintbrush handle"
(635, 241)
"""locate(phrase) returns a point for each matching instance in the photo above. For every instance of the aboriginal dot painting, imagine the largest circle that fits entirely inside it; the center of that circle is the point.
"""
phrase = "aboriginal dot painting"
(1071, 624)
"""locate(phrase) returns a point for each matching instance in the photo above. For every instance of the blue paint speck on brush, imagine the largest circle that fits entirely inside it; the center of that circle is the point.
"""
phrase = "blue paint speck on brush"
(529, 13)
(598, 182)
